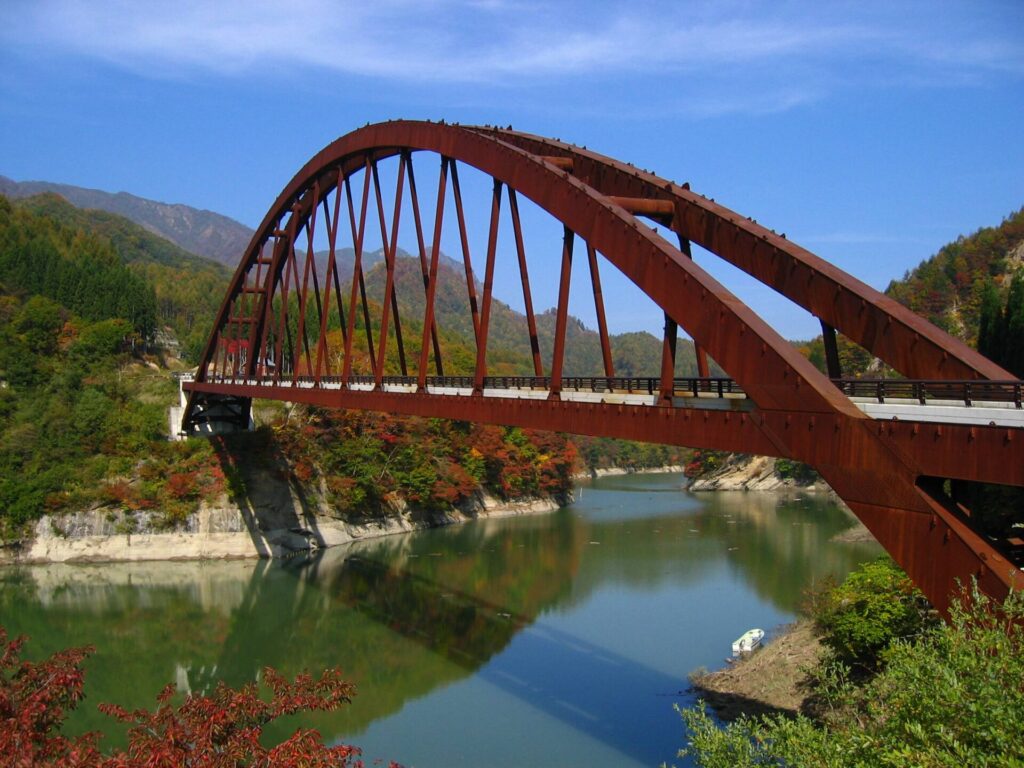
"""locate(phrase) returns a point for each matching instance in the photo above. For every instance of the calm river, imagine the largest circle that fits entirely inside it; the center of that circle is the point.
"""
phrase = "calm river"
(559, 639)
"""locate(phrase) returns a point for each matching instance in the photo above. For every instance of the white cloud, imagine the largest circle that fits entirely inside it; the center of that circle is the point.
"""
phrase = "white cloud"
(787, 53)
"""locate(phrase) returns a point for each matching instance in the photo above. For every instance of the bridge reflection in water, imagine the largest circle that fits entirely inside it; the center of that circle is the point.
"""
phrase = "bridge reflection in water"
(578, 626)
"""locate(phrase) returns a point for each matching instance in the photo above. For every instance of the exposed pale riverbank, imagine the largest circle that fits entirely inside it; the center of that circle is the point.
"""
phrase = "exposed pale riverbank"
(741, 472)
(273, 521)
(616, 471)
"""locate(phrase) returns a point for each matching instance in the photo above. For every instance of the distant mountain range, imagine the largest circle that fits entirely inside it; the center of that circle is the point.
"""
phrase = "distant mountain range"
(201, 232)
(170, 234)
(945, 288)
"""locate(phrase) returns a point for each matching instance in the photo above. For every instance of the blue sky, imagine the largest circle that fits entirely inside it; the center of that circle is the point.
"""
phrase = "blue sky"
(870, 132)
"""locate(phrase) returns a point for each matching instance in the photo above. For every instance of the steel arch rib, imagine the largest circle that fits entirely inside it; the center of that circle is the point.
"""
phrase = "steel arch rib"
(711, 314)
(876, 322)
(799, 412)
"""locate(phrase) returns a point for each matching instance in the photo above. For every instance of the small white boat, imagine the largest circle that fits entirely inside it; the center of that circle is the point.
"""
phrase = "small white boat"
(747, 642)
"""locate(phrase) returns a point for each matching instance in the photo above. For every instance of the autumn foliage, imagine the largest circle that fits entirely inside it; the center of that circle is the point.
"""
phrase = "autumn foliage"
(370, 461)
(222, 729)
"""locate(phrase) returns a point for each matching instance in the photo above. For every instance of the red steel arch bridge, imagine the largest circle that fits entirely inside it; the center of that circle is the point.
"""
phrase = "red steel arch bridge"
(296, 326)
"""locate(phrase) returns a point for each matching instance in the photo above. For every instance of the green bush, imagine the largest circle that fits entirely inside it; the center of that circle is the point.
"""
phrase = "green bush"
(795, 470)
(953, 697)
(874, 606)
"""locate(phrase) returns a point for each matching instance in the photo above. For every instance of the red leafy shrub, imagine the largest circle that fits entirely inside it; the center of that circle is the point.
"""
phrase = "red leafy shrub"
(222, 729)
(181, 485)
(118, 492)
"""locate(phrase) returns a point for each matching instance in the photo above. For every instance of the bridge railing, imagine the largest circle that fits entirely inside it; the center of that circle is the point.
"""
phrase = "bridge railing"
(968, 392)
(965, 391)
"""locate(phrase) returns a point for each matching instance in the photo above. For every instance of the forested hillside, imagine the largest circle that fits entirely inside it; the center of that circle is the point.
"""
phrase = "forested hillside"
(185, 290)
(950, 287)
(973, 288)
(83, 403)
(204, 233)
(77, 268)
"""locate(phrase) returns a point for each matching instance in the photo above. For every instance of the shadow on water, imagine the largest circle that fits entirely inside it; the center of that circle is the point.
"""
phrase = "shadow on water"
(564, 676)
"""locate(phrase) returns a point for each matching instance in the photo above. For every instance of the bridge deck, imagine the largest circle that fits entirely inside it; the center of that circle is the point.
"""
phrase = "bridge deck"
(945, 402)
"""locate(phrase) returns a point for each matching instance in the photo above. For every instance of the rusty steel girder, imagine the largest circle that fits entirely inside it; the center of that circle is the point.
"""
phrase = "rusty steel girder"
(882, 473)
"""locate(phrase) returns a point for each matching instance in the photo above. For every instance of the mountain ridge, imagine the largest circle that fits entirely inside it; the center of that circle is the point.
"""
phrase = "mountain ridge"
(202, 232)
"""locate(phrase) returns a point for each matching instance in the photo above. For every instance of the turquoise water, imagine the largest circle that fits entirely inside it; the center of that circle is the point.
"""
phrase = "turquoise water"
(559, 639)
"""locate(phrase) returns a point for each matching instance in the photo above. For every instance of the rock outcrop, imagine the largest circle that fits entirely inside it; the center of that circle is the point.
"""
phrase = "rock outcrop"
(741, 472)
(274, 520)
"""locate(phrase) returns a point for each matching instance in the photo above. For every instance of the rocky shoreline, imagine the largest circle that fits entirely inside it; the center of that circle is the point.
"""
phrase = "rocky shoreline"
(742, 472)
(273, 521)
(617, 471)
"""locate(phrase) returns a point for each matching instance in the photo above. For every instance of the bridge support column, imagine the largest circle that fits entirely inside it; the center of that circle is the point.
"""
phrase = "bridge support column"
(832, 367)
(668, 361)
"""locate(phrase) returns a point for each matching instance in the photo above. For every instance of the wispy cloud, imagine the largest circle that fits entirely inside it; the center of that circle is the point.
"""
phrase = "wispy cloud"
(787, 53)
